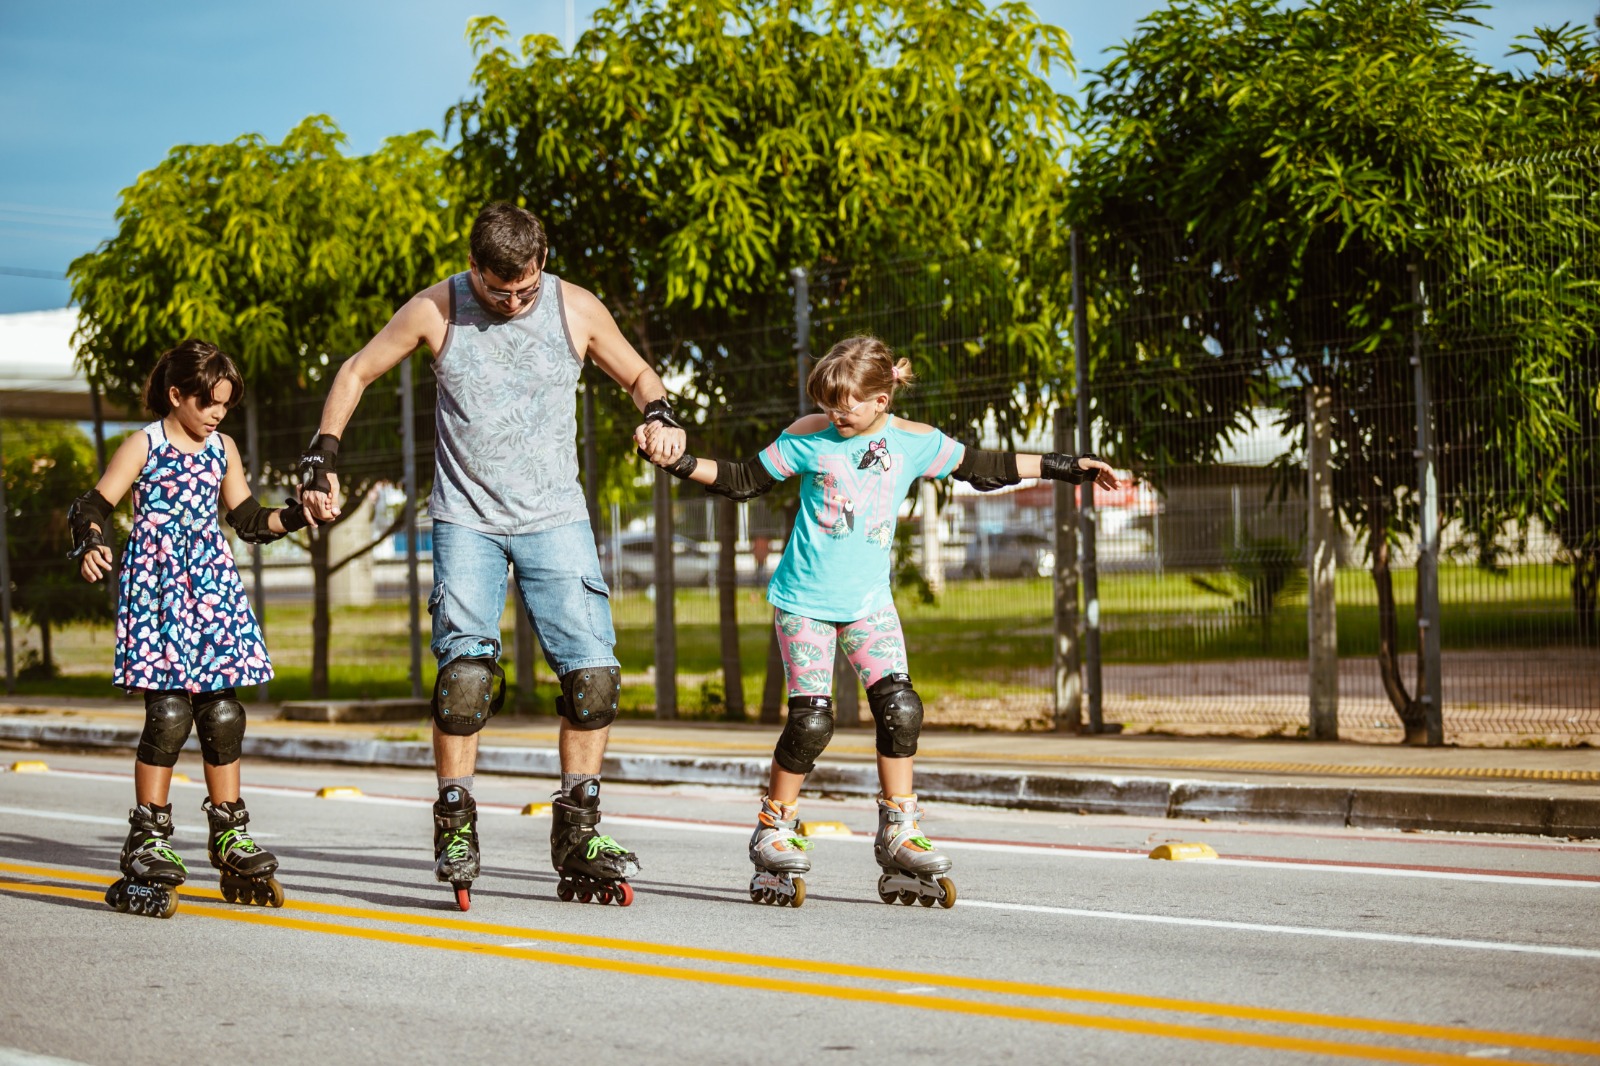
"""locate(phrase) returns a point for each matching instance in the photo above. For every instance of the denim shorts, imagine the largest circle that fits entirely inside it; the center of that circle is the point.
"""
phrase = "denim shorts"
(558, 575)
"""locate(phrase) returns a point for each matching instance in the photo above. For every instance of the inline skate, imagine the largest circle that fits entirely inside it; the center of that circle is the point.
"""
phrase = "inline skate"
(591, 866)
(778, 852)
(455, 841)
(151, 870)
(245, 867)
(913, 870)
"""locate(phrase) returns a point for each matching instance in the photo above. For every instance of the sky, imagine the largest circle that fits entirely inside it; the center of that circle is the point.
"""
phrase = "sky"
(93, 93)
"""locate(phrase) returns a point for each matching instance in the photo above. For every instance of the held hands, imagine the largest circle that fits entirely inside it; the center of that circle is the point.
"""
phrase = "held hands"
(319, 485)
(95, 563)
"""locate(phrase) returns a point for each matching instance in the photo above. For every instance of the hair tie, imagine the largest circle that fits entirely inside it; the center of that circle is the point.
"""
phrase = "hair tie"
(896, 373)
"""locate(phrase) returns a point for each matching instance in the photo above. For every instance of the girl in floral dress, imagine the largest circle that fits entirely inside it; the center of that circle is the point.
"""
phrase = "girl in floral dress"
(186, 636)
(832, 589)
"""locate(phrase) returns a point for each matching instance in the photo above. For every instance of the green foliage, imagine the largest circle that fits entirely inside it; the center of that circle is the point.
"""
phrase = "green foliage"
(288, 256)
(1262, 574)
(686, 156)
(47, 466)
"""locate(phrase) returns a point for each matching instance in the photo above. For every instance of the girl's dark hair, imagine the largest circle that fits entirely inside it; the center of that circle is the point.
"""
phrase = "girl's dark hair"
(862, 367)
(194, 368)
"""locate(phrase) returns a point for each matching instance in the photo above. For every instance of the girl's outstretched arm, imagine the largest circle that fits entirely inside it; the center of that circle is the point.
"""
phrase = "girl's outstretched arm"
(255, 524)
(90, 514)
(989, 470)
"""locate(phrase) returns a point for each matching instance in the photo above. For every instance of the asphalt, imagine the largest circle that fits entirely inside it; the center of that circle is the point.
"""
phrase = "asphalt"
(1542, 791)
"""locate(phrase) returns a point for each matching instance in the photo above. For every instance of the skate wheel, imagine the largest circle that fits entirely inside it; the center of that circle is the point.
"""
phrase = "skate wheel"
(948, 900)
(464, 897)
(799, 896)
(755, 895)
(273, 894)
(115, 899)
(602, 895)
(564, 892)
(907, 896)
(624, 894)
(585, 896)
(171, 905)
(230, 892)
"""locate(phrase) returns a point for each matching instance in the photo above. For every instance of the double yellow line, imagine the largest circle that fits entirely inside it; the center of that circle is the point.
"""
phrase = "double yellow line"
(766, 965)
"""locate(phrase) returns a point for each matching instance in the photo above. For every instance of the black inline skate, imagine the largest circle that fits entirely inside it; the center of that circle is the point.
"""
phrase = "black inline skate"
(151, 870)
(455, 841)
(591, 866)
(246, 868)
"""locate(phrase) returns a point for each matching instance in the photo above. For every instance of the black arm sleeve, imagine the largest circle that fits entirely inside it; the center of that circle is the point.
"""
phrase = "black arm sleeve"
(987, 471)
(741, 481)
(250, 520)
(87, 511)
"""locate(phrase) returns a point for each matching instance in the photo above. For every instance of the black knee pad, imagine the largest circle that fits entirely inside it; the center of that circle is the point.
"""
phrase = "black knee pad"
(589, 696)
(897, 710)
(805, 734)
(467, 693)
(219, 723)
(167, 720)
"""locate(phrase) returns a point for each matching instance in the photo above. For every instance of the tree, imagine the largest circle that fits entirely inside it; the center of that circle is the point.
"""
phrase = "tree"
(1261, 182)
(686, 156)
(47, 465)
(289, 257)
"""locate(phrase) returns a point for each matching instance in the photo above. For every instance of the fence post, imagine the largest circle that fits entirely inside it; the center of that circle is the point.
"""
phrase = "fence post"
(1068, 667)
(666, 594)
(1429, 687)
(1321, 532)
(409, 486)
(252, 443)
(5, 582)
(1086, 507)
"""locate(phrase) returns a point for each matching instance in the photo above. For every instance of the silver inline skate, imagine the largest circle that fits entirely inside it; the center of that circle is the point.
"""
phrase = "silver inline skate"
(778, 852)
(913, 869)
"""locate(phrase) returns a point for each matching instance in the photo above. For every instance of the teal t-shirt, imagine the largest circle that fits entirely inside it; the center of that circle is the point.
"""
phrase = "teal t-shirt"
(835, 567)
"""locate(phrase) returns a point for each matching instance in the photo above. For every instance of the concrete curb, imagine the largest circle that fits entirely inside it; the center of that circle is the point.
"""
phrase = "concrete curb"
(1145, 796)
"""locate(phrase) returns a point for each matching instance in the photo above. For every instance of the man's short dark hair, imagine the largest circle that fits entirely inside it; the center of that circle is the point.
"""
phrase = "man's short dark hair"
(507, 240)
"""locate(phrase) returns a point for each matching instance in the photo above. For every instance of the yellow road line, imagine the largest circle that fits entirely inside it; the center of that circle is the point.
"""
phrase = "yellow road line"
(859, 995)
(903, 977)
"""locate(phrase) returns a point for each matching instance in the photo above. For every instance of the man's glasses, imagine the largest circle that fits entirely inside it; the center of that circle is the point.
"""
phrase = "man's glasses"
(507, 295)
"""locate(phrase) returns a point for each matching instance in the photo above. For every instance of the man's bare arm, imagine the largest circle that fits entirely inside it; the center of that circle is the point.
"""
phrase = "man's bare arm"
(597, 337)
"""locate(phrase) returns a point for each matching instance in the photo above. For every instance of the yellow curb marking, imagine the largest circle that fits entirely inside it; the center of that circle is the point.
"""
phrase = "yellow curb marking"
(536, 809)
(29, 766)
(898, 977)
(824, 829)
(338, 792)
(1183, 852)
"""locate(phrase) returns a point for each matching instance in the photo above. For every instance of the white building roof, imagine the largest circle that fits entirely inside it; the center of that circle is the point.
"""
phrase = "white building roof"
(39, 374)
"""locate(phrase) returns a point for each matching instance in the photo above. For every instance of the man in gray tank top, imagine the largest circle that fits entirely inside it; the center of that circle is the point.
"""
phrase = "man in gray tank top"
(508, 341)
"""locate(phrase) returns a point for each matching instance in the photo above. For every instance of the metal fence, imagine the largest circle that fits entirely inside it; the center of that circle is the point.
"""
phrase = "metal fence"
(1185, 602)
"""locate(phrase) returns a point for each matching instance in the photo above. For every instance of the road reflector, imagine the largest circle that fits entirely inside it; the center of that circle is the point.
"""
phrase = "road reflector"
(338, 792)
(29, 766)
(1181, 852)
(824, 829)
(180, 779)
(536, 808)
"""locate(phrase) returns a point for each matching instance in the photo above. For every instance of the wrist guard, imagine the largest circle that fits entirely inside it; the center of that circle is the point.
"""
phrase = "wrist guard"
(1055, 466)
(661, 411)
(292, 515)
(741, 481)
(987, 471)
(87, 511)
(317, 462)
(249, 519)
(683, 467)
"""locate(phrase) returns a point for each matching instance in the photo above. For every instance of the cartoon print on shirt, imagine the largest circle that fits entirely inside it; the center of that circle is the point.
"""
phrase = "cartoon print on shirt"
(839, 517)
(880, 535)
(876, 456)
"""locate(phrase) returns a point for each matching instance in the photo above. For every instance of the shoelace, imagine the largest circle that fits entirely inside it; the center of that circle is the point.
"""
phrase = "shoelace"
(162, 850)
(237, 840)
(458, 845)
(598, 844)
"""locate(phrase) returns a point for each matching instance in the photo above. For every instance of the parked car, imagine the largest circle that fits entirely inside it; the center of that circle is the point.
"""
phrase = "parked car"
(1010, 553)
(635, 563)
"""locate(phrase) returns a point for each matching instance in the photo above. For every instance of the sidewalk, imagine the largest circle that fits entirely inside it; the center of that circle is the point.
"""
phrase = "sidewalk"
(1501, 790)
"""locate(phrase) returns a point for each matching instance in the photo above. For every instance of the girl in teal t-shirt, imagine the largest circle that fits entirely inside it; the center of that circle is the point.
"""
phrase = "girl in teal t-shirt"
(831, 587)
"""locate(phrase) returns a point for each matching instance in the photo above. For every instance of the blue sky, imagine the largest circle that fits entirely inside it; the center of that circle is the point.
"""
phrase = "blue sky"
(94, 92)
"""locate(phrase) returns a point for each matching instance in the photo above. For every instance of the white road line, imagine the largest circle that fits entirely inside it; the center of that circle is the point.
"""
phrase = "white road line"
(684, 825)
(96, 819)
(10, 1056)
(1293, 930)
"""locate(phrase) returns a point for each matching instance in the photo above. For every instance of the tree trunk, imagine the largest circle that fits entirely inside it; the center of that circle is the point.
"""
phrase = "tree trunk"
(47, 658)
(728, 609)
(1409, 710)
(321, 621)
(1585, 592)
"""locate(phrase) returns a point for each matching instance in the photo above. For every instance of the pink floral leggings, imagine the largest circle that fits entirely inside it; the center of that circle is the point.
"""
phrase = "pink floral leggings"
(875, 645)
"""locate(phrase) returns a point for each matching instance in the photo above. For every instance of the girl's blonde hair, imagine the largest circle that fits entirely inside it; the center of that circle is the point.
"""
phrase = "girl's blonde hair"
(859, 367)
